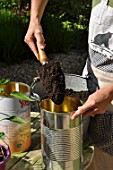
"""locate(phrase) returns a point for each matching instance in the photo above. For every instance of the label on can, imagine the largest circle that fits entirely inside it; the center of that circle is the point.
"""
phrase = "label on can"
(18, 136)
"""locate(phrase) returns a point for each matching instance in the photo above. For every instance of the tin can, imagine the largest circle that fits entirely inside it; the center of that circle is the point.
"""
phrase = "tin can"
(18, 136)
(61, 137)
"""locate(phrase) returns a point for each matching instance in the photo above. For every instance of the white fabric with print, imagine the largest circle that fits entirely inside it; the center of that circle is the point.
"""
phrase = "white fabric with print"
(101, 29)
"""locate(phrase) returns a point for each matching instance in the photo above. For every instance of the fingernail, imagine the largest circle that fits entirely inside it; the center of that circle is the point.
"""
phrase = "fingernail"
(72, 117)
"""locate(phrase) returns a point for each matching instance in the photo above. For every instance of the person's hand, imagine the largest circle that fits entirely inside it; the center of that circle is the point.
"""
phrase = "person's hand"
(96, 103)
(35, 36)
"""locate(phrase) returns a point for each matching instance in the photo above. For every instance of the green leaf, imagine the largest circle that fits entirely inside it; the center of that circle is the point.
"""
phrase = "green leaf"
(4, 81)
(1, 90)
(2, 135)
(14, 119)
(21, 96)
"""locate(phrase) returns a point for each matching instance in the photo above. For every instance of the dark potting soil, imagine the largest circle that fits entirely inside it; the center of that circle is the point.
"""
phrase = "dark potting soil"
(81, 95)
(53, 79)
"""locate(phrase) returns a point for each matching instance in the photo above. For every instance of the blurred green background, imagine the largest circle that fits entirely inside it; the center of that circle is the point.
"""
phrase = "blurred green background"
(65, 27)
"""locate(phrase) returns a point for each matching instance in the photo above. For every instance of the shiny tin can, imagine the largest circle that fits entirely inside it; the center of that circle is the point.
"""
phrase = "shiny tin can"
(61, 137)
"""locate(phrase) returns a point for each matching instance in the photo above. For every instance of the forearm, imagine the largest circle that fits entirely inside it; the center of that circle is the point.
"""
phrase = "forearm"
(109, 91)
(37, 9)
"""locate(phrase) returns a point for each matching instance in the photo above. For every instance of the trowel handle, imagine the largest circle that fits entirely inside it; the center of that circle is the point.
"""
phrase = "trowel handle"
(42, 55)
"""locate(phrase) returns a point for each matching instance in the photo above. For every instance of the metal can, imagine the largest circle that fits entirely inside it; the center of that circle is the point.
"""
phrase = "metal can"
(61, 137)
(18, 136)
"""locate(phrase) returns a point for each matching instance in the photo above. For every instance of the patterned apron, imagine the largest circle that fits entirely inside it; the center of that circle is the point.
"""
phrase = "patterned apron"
(101, 41)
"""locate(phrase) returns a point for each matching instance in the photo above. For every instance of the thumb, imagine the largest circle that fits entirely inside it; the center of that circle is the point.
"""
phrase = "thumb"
(75, 114)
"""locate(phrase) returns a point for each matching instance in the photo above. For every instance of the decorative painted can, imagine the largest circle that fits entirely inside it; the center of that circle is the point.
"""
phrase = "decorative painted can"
(61, 137)
(7, 153)
(18, 136)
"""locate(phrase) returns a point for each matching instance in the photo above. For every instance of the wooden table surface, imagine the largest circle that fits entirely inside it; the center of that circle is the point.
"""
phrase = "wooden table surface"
(32, 158)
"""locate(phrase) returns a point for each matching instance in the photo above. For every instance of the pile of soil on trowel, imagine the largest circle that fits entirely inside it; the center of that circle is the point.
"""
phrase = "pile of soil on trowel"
(53, 79)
